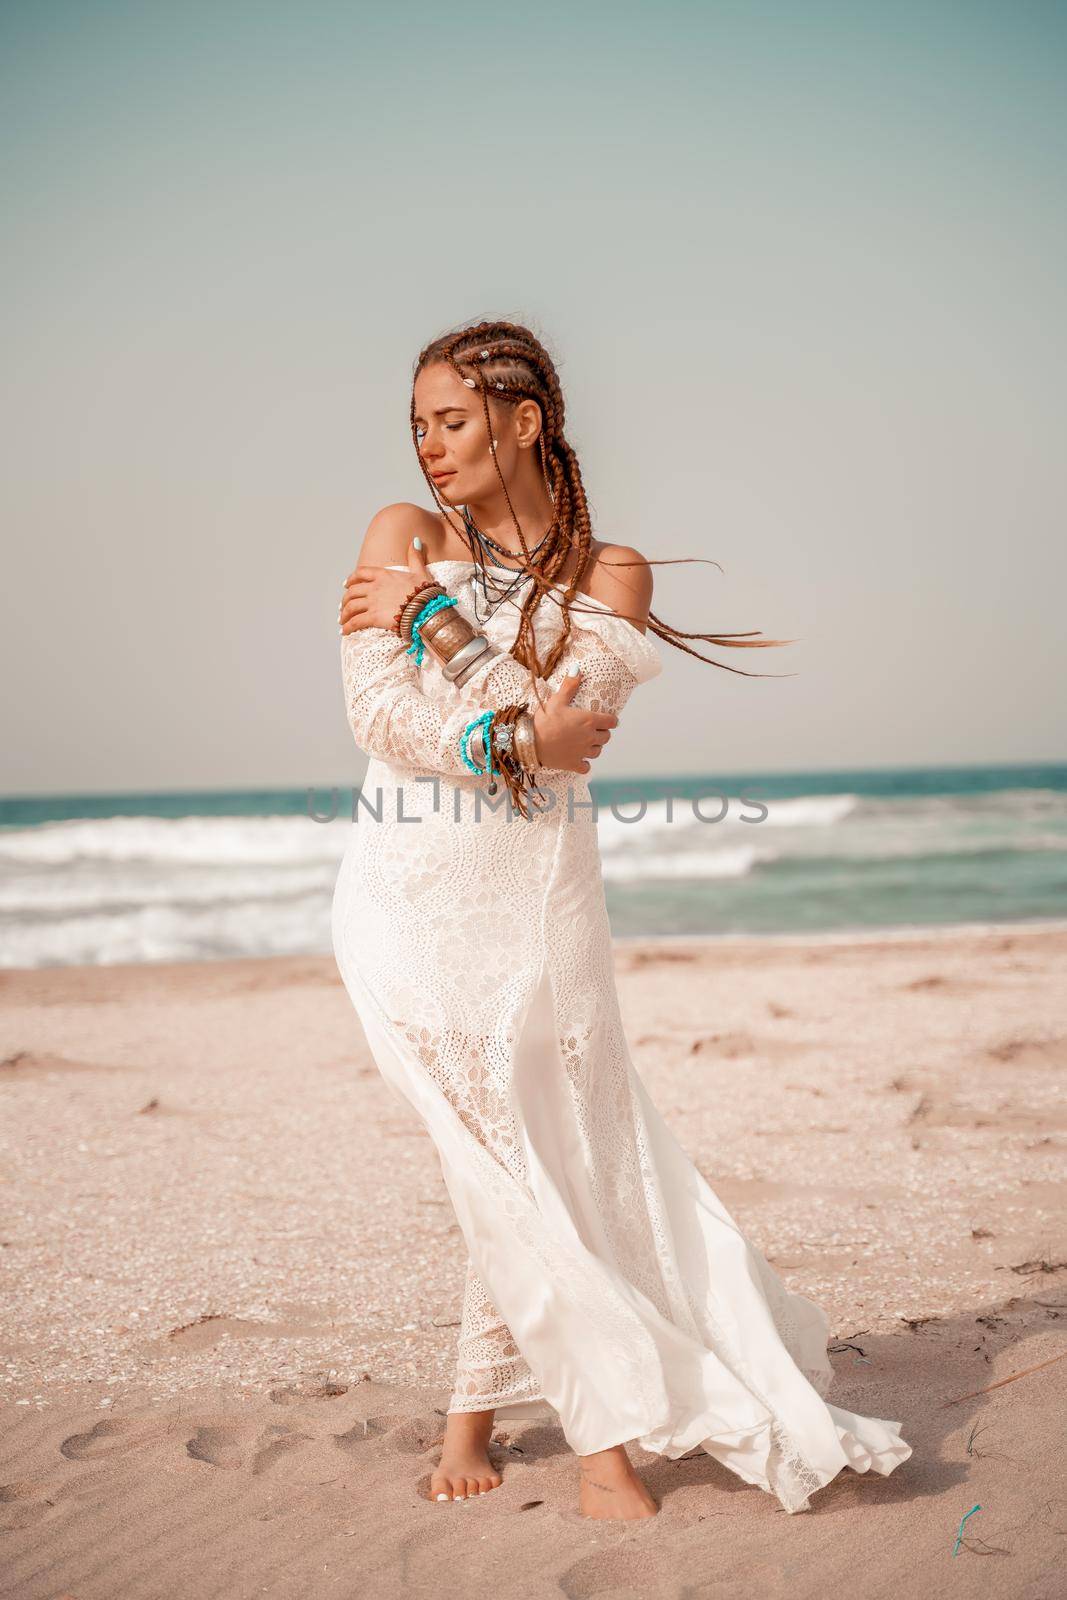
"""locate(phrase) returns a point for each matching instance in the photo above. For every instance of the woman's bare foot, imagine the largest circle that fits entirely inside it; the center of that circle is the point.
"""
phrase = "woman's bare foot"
(611, 1488)
(465, 1468)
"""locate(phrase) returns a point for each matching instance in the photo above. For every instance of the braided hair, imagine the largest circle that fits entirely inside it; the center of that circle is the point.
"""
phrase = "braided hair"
(508, 363)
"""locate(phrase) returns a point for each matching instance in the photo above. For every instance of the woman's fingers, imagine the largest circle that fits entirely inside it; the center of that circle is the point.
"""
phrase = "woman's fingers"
(352, 617)
(358, 581)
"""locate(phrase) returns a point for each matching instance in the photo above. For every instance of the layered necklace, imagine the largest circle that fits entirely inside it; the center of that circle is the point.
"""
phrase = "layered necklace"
(483, 548)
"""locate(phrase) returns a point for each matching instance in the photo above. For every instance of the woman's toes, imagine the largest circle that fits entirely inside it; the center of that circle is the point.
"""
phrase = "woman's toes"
(447, 1486)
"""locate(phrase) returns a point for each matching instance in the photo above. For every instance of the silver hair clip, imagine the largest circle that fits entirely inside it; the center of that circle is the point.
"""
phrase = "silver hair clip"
(485, 355)
(499, 384)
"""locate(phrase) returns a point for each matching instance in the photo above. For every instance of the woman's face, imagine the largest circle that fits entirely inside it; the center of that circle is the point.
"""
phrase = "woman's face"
(451, 435)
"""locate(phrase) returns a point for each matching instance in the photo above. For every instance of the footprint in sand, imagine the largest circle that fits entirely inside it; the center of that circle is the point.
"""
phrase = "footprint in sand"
(234, 1446)
(22, 1503)
(111, 1437)
(411, 1435)
(630, 1571)
(291, 1394)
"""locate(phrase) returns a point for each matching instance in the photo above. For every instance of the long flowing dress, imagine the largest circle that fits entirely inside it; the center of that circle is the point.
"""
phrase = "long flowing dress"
(606, 1282)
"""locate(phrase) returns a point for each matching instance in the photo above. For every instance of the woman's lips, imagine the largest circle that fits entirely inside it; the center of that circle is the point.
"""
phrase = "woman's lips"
(439, 477)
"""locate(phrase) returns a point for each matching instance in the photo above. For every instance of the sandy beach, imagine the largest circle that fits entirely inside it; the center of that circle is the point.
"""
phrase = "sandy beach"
(231, 1281)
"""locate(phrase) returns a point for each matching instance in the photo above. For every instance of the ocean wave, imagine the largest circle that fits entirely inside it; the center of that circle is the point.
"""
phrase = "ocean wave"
(221, 841)
(55, 894)
(670, 817)
(729, 862)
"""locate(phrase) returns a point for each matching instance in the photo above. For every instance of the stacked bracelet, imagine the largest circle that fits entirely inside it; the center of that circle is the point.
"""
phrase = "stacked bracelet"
(439, 603)
(449, 638)
(500, 734)
(510, 739)
(457, 668)
(413, 605)
(482, 723)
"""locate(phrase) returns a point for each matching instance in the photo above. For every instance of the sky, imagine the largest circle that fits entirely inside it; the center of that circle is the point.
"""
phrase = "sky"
(802, 271)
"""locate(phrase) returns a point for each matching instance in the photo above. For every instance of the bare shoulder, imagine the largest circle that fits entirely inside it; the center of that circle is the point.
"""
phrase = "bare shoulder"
(620, 576)
(392, 529)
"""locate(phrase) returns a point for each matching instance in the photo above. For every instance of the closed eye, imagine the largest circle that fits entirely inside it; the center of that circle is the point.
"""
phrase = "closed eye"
(420, 432)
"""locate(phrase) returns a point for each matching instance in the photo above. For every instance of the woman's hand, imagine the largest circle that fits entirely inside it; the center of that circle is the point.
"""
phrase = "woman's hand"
(569, 737)
(373, 595)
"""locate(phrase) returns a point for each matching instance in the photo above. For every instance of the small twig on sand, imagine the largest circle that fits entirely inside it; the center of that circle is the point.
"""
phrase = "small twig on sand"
(981, 1455)
(983, 1549)
(1002, 1381)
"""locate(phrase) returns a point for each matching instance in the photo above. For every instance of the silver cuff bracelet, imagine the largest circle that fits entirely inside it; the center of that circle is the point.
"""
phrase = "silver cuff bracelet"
(471, 651)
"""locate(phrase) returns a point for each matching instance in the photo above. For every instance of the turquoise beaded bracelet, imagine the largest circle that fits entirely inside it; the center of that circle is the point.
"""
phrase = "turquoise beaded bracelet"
(438, 603)
(485, 722)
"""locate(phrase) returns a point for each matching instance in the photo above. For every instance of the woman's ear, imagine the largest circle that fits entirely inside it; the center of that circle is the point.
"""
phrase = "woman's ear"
(527, 423)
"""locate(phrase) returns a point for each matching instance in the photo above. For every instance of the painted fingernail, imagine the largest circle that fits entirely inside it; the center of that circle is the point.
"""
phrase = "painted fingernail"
(442, 1497)
(418, 542)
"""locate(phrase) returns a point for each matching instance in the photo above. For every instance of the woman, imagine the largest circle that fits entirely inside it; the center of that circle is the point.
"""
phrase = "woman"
(494, 639)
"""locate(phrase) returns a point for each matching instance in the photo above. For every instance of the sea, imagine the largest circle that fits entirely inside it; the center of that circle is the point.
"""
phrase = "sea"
(101, 879)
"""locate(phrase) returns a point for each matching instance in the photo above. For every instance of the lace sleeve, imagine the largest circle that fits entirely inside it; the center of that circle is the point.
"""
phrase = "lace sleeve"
(391, 717)
(607, 682)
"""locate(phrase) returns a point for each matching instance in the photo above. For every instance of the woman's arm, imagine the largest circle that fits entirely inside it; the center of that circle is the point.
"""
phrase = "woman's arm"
(391, 717)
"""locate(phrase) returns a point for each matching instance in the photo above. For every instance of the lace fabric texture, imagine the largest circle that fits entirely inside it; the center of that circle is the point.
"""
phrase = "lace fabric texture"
(491, 1371)
(605, 1279)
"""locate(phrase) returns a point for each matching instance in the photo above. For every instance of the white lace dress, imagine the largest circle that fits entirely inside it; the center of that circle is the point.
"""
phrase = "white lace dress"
(606, 1282)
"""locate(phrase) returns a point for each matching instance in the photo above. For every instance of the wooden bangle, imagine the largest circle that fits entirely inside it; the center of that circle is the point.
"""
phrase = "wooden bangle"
(411, 607)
